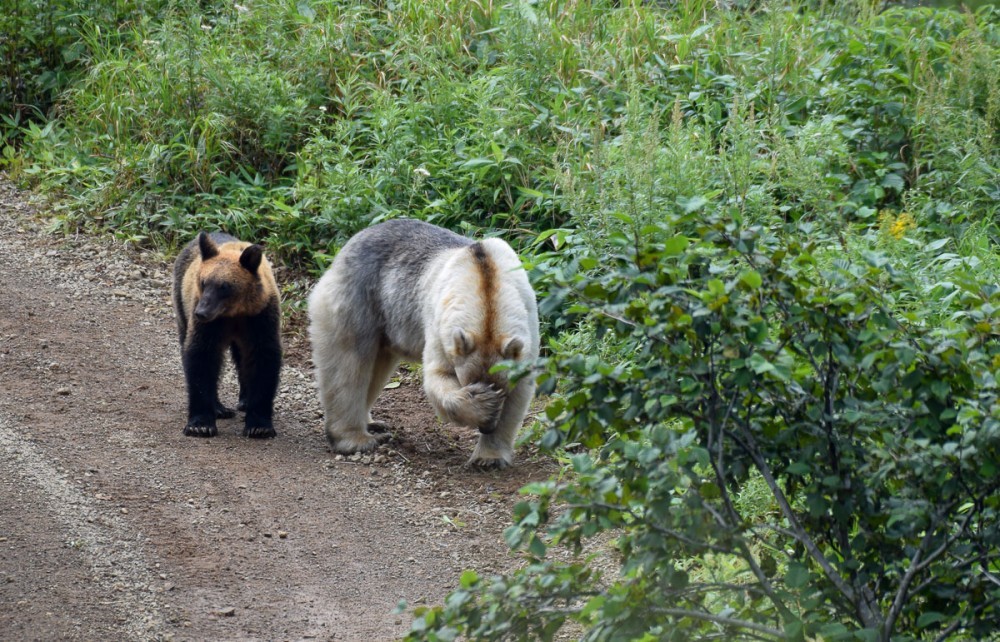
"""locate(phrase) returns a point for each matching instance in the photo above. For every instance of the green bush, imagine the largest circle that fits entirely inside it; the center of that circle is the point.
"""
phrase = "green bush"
(877, 440)
(43, 51)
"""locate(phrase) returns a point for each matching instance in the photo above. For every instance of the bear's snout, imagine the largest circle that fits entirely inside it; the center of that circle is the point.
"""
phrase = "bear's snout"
(206, 311)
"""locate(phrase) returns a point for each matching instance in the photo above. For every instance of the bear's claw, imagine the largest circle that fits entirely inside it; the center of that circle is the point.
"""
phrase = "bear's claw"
(200, 431)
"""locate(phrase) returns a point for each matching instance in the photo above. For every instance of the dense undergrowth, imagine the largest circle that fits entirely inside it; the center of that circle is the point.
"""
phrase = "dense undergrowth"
(765, 235)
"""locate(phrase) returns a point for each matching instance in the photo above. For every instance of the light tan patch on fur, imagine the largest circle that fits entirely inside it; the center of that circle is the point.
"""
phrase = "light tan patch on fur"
(447, 301)
(253, 293)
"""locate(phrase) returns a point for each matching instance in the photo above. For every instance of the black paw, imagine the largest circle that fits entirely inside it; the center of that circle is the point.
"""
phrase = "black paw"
(195, 430)
(378, 427)
(221, 412)
(259, 432)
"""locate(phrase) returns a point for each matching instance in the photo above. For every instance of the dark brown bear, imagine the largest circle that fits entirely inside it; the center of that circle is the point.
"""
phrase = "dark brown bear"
(225, 297)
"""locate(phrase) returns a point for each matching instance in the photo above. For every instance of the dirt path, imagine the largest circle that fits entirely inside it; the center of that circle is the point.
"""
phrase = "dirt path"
(114, 525)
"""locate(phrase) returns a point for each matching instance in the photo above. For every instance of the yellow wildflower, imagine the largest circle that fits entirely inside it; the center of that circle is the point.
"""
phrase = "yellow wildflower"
(904, 222)
(896, 225)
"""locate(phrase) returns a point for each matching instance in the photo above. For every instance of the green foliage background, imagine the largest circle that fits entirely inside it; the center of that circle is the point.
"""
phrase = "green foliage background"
(765, 235)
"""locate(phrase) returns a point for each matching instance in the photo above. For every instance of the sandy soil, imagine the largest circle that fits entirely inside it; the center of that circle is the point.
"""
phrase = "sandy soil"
(114, 525)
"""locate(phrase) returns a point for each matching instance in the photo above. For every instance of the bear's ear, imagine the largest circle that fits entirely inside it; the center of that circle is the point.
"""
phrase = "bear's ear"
(463, 342)
(251, 257)
(512, 348)
(207, 246)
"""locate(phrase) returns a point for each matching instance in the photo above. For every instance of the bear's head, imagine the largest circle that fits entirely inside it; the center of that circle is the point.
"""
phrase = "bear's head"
(473, 358)
(229, 280)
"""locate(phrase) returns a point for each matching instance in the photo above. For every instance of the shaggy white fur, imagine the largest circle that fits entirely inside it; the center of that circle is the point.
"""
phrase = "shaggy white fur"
(406, 290)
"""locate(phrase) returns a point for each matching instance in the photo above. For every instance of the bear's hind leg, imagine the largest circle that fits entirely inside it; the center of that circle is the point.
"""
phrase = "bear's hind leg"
(222, 411)
(385, 364)
(344, 371)
(234, 351)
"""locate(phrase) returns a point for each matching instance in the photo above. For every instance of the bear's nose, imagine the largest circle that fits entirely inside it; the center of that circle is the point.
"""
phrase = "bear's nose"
(204, 312)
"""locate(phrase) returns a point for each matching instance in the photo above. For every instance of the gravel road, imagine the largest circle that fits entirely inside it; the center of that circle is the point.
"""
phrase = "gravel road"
(114, 525)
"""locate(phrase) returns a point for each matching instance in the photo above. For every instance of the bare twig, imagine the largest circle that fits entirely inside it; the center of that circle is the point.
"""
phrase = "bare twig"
(946, 633)
(866, 613)
(921, 560)
(744, 550)
(722, 620)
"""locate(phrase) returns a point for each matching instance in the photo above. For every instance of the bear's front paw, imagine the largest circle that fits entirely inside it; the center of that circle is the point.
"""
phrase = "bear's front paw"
(485, 402)
(488, 463)
(491, 452)
(259, 432)
(200, 429)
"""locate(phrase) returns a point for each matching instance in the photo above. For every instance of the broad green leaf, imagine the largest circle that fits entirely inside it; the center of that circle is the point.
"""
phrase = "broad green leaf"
(693, 204)
(675, 245)
(928, 618)
(752, 279)
(468, 579)
(894, 181)
(799, 468)
(796, 576)
(537, 547)
(759, 364)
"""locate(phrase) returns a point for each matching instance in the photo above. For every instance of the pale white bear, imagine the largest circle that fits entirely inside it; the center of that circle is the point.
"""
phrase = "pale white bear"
(409, 290)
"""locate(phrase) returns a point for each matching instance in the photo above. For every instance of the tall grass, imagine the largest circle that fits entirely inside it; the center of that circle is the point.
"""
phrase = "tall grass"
(305, 122)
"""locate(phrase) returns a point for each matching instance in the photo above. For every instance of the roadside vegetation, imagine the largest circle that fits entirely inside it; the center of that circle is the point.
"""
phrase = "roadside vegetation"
(765, 238)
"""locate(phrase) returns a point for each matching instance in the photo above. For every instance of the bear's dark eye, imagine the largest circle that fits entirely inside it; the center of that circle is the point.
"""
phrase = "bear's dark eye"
(219, 289)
